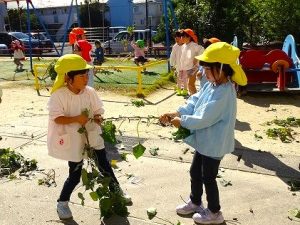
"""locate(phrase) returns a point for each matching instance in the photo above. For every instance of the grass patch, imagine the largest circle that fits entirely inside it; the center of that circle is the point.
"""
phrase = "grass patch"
(123, 82)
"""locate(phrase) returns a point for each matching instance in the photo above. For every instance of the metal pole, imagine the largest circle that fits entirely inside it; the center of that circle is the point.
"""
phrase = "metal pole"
(88, 7)
(66, 29)
(167, 32)
(147, 15)
(78, 17)
(29, 31)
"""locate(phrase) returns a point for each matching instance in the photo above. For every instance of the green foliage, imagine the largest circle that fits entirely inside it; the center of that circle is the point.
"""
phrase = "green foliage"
(283, 133)
(295, 213)
(93, 12)
(251, 20)
(138, 103)
(11, 161)
(109, 132)
(102, 189)
(17, 19)
(51, 71)
(181, 133)
(130, 29)
(288, 122)
(138, 150)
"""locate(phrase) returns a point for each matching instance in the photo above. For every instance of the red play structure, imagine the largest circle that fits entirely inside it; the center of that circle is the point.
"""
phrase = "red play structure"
(273, 70)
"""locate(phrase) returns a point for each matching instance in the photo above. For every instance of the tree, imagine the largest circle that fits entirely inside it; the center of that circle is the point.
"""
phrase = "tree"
(17, 20)
(251, 20)
(92, 14)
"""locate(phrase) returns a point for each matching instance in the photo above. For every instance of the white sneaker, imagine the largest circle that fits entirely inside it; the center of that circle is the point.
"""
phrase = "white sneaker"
(63, 210)
(189, 208)
(208, 217)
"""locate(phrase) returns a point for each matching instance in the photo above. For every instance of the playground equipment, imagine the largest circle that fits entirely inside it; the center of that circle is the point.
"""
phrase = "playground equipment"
(38, 14)
(275, 70)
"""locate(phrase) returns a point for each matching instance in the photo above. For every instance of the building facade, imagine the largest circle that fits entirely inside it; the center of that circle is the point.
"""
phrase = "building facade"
(120, 12)
(3, 13)
(155, 12)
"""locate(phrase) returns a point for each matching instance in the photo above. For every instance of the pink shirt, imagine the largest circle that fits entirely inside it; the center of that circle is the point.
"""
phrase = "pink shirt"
(138, 51)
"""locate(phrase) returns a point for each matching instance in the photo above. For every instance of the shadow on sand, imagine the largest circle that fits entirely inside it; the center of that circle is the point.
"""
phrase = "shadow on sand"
(251, 159)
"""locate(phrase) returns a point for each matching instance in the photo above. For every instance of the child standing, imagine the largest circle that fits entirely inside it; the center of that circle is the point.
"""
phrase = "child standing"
(210, 115)
(189, 65)
(18, 49)
(139, 52)
(65, 118)
(83, 48)
(175, 60)
(201, 72)
(99, 53)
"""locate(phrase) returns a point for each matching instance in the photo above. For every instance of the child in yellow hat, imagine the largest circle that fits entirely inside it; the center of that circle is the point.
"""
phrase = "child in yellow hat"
(66, 104)
(210, 115)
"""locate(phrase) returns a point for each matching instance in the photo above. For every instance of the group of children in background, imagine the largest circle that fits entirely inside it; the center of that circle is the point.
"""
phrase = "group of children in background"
(182, 59)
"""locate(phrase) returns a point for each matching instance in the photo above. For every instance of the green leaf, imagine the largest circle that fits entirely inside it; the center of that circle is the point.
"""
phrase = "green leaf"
(295, 213)
(86, 112)
(84, 177)
(181, 133)
(80, 195)
(109, 132)
(151, 212)
(138, 150)
(81, 130)
(138, 103)
(105, 206)
(94, 195)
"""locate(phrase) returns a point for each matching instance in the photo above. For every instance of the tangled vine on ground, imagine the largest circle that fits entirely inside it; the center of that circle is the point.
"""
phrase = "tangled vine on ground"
(284, 132)
(11, 161)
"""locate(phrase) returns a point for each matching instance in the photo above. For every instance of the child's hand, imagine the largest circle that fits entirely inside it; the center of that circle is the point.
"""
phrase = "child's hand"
(176, 122)
(98, 119)
(82, 119)
(166, 118)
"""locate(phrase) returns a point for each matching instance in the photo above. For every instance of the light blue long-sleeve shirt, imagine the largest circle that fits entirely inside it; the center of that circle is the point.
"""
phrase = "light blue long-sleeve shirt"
(210, 115)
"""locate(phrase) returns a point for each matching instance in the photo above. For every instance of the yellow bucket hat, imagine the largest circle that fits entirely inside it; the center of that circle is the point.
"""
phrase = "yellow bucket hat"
(65, 64)
(225, 53)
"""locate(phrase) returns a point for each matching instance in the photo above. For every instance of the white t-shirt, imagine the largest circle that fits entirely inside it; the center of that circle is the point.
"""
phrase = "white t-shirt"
(175, 56)
(64, 141)
(18, 54)
(188, 54)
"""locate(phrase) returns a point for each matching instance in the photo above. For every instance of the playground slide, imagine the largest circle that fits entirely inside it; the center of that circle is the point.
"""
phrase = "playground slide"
(272, 70)
(289, 47)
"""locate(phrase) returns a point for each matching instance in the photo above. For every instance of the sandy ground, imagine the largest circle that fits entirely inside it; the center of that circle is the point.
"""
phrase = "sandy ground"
(21, 101)
(159, 181)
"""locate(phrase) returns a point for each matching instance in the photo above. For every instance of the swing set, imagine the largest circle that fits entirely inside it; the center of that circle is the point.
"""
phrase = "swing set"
(30, 6)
